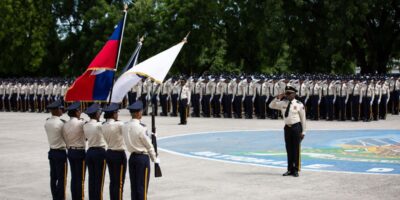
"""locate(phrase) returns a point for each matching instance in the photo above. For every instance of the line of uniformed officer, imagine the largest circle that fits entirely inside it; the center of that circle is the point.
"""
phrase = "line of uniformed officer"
(31, 94)
(113, 135)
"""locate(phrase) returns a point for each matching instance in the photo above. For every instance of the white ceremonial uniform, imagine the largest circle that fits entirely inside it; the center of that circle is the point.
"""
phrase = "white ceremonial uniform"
(94, 134)
(54, 130)
(112, 131)
(137, 138)
(73, 133)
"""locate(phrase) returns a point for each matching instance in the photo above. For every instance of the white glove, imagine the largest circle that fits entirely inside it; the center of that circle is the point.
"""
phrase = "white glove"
(243, 100)
(157, 160)
(210, 100)
(233, 99)
(319, 102)
(220, 100)
(370, 103)
(158, 98)
(379, 102)
(148, 98)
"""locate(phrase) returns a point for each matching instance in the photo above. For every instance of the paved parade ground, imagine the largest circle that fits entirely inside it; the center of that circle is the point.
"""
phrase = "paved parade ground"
(227, 159)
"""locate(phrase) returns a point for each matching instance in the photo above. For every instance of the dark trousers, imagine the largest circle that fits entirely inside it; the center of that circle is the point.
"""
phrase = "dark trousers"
(366, 105)
(323, 108)
(206, 105)
(22, 102)
(195, 100)
(329, 107)
(292, 144)
(227, 105)
(216, 105)
(77, 164)
(356, 107)
(164, 104)
(349, 107)
(1, 102)
(237, 105)
(144, 101)
(174, 100)
(116, 162)
(248, 107)
(396, 102)
(262, 106)
(58, 173)
(154, 102)
(342, 108)
(46, 102)
(314, 107)
(132, 97)
(383, 107)
(14, 102)
(32, 102)
(183, 110)
(40, 100)
(139, 174)
(7, 102)
(375, 109)
(272, 113)
(96, 163)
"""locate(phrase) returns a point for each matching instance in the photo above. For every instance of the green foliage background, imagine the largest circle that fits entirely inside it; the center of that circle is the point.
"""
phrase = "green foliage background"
(61, 37)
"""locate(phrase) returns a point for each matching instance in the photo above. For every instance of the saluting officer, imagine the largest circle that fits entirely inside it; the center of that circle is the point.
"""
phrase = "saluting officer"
(96, 154)
(294, 116)
(57, 153)
(184, 101)
(115, 155)
(138, 143)
(76, 142)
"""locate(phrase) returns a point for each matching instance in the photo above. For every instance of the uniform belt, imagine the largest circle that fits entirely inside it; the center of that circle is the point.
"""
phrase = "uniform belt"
(119, 150)
(58, 149)
(96, 148)
(77, 148)
(290, 125)
(139, 153)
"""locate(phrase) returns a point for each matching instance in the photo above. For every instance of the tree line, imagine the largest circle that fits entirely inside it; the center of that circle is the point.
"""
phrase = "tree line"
(61, 37)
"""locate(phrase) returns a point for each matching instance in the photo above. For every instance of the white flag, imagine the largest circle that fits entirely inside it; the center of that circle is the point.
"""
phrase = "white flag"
(156, 68)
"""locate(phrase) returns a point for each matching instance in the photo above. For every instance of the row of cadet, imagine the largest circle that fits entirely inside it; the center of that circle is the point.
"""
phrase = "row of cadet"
(325, 96)
(106, 143)
(31, 94)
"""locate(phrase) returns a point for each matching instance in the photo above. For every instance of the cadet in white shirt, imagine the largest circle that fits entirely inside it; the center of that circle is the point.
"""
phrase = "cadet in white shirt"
(184, 101)
(76, 142)
(96, 154)
(294, 116)
(57, 153)
(115, 155)
(141, 150)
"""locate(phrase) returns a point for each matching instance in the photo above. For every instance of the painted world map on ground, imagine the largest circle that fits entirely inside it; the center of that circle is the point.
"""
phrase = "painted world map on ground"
(354, 151)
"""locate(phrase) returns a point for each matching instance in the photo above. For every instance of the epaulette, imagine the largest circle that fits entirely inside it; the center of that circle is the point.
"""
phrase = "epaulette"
(47, 118)
(144, 125)
(299, 102)
(63, 120)
(103, 122)
(86, 122)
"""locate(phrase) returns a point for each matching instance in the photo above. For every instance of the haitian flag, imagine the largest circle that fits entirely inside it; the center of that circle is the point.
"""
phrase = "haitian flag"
(95, 83)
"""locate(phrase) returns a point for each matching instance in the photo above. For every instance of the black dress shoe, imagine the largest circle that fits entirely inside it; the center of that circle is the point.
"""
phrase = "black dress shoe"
(295, 174)
(288, 173)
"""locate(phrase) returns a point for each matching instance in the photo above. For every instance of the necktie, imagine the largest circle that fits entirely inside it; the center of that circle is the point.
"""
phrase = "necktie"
(248, 89)
(287, 109)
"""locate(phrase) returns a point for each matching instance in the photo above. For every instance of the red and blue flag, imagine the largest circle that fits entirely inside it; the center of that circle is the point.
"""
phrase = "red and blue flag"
(95, 83)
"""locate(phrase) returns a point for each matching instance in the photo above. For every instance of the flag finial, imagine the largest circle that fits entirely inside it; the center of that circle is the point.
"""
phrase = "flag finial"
(186, 37)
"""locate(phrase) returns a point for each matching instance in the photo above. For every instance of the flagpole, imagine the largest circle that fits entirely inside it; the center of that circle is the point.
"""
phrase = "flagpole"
(119, 50)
